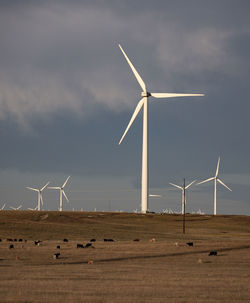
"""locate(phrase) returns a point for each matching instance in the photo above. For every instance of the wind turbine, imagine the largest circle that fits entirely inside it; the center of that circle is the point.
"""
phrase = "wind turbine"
(40, 197)
(33, 208)
(215, 178)
(183, 188)
(3, 206)
(16, 208)
(62, 192)
(144, 103)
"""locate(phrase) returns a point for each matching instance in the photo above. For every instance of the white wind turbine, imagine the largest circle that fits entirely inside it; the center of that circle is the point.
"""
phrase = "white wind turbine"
(16, 208)
(39, 195)
(62, 192)
(144, 103)
(2, 208)
(215, 178)
(182, 188)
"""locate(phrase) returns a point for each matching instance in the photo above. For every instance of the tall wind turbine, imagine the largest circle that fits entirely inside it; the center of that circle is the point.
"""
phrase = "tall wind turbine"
(39, 195)
(215, 178)
(61, 193)
(182, 188)
(144, 103)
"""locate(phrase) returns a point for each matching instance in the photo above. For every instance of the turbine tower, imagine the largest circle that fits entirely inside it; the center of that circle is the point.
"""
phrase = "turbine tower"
(39, 194)
(182, 188)
(144, 103)
(61, 193)
(215, 178)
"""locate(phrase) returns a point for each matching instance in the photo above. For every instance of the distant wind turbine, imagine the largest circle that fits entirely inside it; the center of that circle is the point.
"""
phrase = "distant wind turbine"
(16, 208)
(39, 194)
(61, 193)
(215, 178)
(182, 188)
(144, 103)
(3, 206)
(33, 208)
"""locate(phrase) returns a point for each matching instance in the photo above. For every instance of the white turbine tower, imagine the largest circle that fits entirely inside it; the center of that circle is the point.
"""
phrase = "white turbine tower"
(144, 103)
(39, 194)
(182, 188)
(61, 193)
(215, 178)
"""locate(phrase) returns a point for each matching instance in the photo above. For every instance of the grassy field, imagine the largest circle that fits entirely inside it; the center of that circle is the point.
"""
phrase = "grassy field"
(160, 267)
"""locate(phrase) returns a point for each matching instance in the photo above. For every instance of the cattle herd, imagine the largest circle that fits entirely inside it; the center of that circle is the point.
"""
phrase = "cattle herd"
(89, 244)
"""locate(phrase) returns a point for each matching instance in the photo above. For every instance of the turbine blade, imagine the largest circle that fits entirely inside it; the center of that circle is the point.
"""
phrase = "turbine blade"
(189, 184)
(138, 77)
(65, 182)
(55, 187)
(65, 195)
(44, 186)
(34, 189)
(19, 207)
(173, 95)
(3, 206)
(137, 109)
(13, 208)
(155, 196)
(217, 169)
(176, 186)
(207, 180)
(224, 184)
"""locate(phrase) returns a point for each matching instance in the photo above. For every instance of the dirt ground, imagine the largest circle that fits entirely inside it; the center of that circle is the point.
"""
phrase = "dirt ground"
(154, 269)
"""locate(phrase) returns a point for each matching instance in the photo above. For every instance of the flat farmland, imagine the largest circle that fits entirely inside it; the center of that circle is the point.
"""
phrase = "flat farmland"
(161, 267)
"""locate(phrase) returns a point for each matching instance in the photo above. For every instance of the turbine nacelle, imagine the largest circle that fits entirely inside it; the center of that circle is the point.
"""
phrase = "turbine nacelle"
(145, 94)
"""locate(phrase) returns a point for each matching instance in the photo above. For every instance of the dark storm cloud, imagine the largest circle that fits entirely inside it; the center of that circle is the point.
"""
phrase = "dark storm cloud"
(60, 55)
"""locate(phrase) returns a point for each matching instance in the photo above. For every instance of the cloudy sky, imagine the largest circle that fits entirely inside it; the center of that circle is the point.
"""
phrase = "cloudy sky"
(67, 94)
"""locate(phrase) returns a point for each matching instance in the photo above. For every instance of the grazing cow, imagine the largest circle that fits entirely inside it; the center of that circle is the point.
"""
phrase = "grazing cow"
(58, 247)
(20, 240)
(213, 253)
(79, 245)
(92, 240)
(108, 240)
(37, 242)
(136, 240)
(56, 256)
(9, 240)
(0, 240)
(152, 240)
(190, 243)
(11, 246)
(65, 240)
(88, 245)
(15, 240)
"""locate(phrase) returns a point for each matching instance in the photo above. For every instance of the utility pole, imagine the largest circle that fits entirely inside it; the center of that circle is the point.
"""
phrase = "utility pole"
(184, 198)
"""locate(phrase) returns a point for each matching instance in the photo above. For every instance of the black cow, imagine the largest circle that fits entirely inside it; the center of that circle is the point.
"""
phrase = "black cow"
(190, 243)
(37, 242)
(79, 245)
(88, 245)
(11, 246)
(58, 247)
(136, 240)
(65, 240)
(108, 240)
(56, 256)
(213, 253)
(92, 240)
(9, 240)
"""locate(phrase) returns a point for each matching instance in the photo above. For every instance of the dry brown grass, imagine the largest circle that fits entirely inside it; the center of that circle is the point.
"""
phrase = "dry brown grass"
(124, 270)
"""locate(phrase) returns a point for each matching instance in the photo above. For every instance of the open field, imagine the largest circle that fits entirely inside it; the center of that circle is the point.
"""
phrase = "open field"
(164, 270)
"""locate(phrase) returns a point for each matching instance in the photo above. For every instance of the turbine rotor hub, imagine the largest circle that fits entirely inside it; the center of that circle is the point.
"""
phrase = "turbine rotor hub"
(145, 94)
